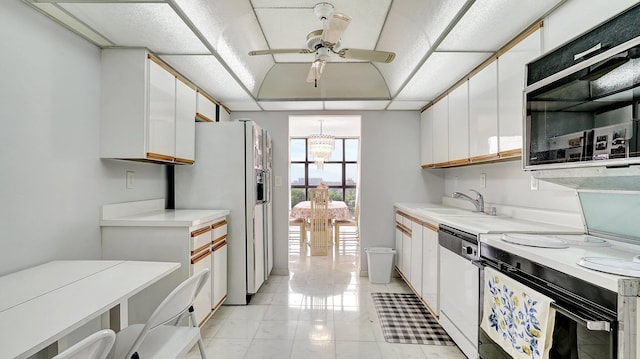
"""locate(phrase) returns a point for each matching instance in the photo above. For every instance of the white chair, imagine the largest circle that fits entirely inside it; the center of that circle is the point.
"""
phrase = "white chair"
(95, 346)
(353, 222)
(320, 223)
(300, 223)
(163, 336)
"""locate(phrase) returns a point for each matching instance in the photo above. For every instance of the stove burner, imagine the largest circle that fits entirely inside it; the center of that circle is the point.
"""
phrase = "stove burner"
(584, 240)
(629, 268)
(535, 240)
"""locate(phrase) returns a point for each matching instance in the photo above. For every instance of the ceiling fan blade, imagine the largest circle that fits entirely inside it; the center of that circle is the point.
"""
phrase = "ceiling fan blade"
(370, 55)
(279, 51)
(334, 27)
(315, 71)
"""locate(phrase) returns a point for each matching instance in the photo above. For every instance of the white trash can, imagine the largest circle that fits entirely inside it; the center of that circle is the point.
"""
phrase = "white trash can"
(380, 264)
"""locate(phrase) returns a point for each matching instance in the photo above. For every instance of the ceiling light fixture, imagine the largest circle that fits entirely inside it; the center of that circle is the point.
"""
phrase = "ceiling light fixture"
(321, 146)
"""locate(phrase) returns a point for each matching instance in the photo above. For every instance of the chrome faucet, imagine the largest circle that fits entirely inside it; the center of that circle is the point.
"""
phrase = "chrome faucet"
(478, 202)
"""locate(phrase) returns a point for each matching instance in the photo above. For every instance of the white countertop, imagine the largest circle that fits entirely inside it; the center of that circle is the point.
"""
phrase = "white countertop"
(566, 260)
(166, 218)
(476, 223)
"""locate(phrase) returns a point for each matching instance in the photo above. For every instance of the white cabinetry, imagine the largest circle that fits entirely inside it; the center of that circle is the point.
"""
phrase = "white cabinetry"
(144, 109)
(416, 256)
(483, 112)
(219, 248)
(441, 131)
(205, 108)
(511, 83)
(459, 123)
(223, 114)
(426, 137)
(430, 267)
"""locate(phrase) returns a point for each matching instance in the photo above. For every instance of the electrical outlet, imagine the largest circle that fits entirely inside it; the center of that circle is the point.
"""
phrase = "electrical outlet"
(534, 183)
(130, 180)
(483, 180)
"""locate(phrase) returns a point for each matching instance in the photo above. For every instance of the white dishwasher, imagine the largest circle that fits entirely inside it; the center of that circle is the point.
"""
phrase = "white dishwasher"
(460, 287)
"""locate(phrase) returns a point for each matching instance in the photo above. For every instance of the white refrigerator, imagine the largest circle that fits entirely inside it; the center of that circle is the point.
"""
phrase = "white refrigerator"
(229, 174)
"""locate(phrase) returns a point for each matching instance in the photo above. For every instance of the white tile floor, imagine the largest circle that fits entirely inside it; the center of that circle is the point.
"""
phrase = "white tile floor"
(323, 309)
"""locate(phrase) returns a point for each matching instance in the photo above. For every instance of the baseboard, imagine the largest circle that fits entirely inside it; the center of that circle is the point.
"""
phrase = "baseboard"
(364, 273)
(280, 271)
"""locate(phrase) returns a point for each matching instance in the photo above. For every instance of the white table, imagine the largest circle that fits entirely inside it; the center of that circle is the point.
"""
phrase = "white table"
(40, 305)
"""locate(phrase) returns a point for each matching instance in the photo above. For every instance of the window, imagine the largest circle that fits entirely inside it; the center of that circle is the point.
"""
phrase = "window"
(340, 172)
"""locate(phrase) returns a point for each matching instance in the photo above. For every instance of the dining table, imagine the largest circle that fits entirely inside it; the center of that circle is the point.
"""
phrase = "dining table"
(40, 306)
(337, 210)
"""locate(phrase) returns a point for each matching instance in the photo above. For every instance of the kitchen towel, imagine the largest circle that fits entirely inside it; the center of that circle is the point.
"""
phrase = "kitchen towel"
(516, 317)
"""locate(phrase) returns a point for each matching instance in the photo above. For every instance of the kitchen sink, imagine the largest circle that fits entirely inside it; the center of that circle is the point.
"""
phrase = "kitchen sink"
(448, 211)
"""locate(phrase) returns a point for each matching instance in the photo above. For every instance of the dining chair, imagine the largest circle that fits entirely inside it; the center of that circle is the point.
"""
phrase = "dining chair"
(95, 346)
(352, 222)
(320, 223)
(301, 223)
(163, 336)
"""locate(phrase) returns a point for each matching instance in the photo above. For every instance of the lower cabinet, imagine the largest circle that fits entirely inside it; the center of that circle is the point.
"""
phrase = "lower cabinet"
(194, 247)
(416, 257)
(430, 267)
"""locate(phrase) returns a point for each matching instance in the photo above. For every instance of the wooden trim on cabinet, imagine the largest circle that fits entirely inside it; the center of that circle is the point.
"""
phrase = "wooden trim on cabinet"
(441, 165)
(208, 97)
(203, 118)
(200, 257)
(459, 162)
(427, 166)
(219, 239)
(200, 249)
(484, 158)
(220, 245)
(186, 82)
(225, 108)
(215, 307)
(184, 161)
(219, 224)
(511, 153)
(206, 317)
(159, 157)
(523, 35)
(431, 226)
(200, 231)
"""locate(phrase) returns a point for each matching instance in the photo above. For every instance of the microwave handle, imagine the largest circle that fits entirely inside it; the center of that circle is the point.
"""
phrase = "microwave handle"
(587, 52)
(594, 325)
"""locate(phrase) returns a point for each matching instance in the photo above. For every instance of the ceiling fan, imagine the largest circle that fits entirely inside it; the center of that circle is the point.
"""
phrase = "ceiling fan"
(326, 41)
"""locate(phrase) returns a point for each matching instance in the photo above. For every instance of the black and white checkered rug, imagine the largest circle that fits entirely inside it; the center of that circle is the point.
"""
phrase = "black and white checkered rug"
(404, 319)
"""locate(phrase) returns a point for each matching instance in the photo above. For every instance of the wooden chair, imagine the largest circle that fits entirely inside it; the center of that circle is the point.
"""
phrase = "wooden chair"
(354, 222)
(320, 223)
(302, 224)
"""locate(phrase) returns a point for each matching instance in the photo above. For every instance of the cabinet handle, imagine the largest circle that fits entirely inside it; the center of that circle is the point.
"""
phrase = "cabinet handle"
(184, 161)
(198, 250)
(224, 243)
(200, 231)
(219, 224)
(200, 257)
(431, 226)
(587, 52)
(159, 157)
(217, 240)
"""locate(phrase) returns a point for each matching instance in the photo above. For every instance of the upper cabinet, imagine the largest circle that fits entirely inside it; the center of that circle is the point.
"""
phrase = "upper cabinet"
(459, 124)
(441, 132)
(511, 83)
(205, 108)
(483, 113)
(426, 136)
(147, 112)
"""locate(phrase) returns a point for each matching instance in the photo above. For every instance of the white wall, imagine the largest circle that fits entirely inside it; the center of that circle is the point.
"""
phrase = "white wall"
(52, 181)
(390, 173)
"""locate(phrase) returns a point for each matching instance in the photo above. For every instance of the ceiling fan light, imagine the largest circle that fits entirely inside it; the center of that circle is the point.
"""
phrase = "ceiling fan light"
(335, 26)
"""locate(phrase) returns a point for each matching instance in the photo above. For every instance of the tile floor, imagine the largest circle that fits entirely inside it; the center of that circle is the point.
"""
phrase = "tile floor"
(323, 309)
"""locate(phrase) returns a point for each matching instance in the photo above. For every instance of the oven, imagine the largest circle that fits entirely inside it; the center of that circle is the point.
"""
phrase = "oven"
(586, 324)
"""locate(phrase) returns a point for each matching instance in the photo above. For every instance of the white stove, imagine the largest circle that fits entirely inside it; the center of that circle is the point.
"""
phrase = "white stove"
(596, 260)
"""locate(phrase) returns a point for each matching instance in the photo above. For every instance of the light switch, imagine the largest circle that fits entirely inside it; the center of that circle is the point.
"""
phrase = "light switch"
(278, 180)
(534, 183)
(129, 179)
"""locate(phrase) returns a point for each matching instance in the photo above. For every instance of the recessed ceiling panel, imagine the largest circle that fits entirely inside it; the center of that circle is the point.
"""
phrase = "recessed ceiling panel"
(355, 105)
(249, 105)
(407, 105)
(291, 105)
(411, 28)
(489, 25)
(232, 30)
(439, 72)
(207, 73)
(154, 26)
(339, 81)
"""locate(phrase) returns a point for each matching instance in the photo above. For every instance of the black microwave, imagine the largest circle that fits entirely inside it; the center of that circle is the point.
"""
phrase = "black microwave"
(586, 113)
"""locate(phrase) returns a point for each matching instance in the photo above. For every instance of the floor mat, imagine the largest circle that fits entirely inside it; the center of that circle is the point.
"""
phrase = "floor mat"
(404, 319)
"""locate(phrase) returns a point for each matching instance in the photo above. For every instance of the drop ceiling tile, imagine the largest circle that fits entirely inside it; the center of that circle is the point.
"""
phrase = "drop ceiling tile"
(291, 105)
(439, 72)
(232, 29)
(207, 73)
(152, 25)
(489, 25)
(355, 105)
(411, 28)
(407, 105)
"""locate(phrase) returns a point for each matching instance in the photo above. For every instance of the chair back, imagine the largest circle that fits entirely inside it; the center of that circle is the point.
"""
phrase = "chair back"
(95, 346)
(319, 221)
(174, 307)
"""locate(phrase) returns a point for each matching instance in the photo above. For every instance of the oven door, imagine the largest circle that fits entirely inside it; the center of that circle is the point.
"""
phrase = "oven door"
(578, 332)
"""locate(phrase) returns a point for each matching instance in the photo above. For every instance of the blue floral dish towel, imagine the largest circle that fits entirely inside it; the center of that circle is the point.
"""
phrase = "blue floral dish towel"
(517, 318)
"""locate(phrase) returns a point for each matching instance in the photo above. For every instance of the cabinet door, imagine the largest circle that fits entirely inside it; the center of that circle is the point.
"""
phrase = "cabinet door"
(416, 257)
(224, 115)
(219, 274)
(511, 83)
(202, 303)
(406, 255)
(441, 131)
(185, 123)
(426, 137)
(430, 268)
(162, 111)
(398, 248)
(483, 112)
(205, 109)
(459, 123)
